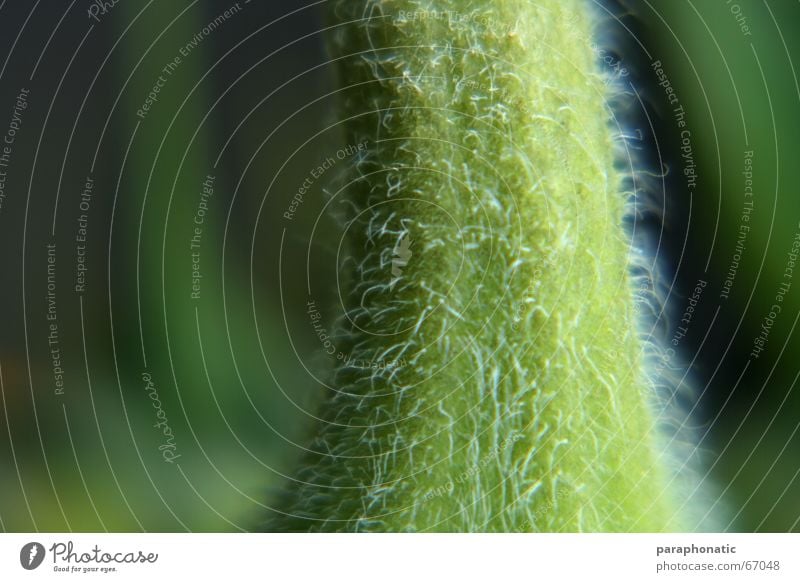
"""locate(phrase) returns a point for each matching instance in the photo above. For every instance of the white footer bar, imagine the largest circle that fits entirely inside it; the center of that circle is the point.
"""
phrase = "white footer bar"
(400, 557)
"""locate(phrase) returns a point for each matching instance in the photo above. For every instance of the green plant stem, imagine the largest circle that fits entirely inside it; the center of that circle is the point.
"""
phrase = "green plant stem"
(506, 389)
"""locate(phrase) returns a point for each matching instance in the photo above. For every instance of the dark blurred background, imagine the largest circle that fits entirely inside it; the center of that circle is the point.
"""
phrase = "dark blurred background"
(159, 369)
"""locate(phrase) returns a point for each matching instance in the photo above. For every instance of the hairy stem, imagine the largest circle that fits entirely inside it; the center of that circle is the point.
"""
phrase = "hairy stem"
(485, 284)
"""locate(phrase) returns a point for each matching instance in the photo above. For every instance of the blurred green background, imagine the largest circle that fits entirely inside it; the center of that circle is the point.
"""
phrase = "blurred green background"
(248, 107)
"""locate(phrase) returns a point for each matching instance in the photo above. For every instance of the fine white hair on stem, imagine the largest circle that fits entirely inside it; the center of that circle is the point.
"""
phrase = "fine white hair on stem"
(482, 246)
(644, 165)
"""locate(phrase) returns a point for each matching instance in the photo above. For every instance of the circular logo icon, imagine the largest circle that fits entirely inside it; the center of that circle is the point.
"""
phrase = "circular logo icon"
(31, 555)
